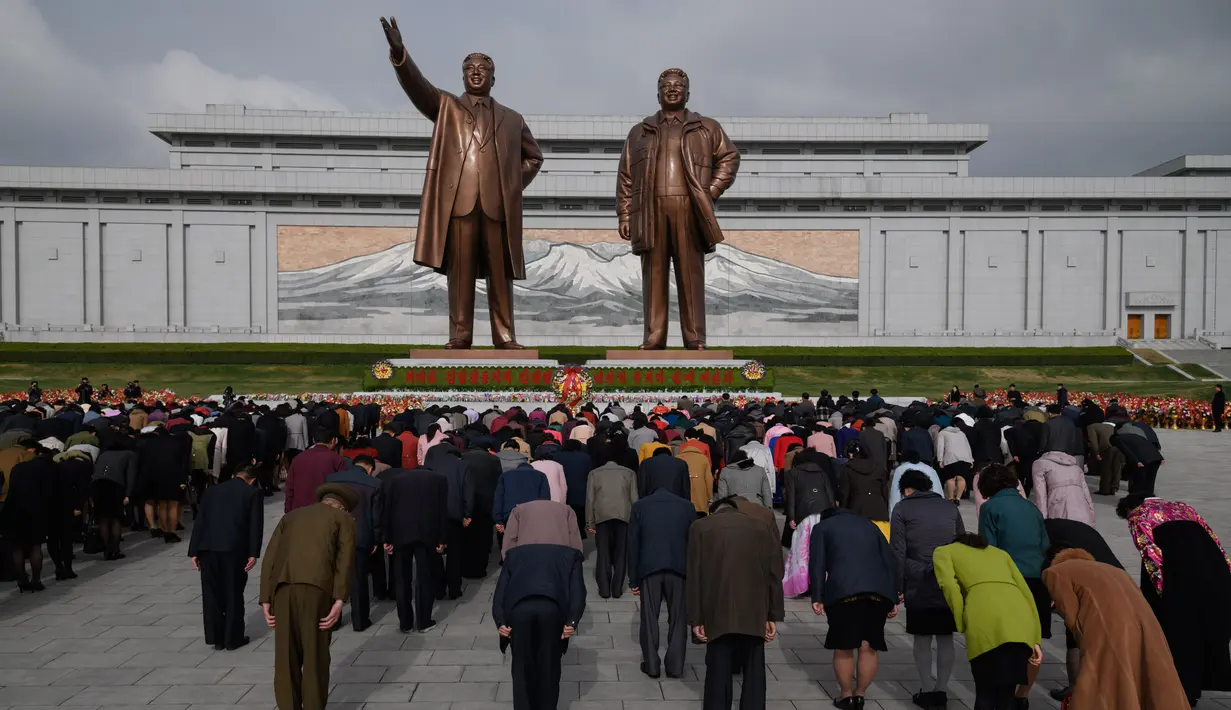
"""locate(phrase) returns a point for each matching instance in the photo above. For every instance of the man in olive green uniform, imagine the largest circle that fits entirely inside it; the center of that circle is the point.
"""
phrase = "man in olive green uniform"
(305, 580)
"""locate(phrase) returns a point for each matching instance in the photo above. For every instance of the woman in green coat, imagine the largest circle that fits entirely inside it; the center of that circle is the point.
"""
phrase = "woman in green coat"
(995, 609)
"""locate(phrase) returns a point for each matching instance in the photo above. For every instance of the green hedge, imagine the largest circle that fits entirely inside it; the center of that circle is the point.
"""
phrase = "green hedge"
(398, 381)
(366, 354)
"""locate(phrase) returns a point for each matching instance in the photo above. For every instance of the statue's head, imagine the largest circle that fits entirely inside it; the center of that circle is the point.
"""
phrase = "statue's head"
(478, 73)
(673, 89)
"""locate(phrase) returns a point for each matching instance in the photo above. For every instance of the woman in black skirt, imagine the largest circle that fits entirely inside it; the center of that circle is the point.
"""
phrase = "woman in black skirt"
(922, 521)
(115, 478)
(994, 608)
(24, 519)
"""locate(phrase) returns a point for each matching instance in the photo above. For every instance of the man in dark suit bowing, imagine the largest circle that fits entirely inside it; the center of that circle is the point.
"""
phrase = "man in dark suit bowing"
(415, 504)
(657, 561)
(225, 544)
(538, 603)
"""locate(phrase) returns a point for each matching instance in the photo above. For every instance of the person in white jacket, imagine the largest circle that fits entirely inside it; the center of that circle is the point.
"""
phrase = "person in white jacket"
(956, 461)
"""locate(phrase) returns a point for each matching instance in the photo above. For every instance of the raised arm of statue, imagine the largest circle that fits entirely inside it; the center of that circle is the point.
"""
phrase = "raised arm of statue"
(422, 94)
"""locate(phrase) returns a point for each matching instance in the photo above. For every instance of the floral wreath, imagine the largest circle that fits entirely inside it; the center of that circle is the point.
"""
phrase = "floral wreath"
(382, 369)
(753, 370)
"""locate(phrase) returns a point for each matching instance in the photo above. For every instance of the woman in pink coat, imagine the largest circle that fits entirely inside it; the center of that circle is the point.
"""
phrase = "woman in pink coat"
(1060, 489)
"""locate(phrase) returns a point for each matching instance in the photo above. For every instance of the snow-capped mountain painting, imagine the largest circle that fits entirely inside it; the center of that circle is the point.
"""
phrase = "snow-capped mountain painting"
(574, 289)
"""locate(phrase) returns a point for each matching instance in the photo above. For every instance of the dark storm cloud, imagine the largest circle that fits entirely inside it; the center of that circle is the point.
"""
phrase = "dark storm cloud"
(1087, 88)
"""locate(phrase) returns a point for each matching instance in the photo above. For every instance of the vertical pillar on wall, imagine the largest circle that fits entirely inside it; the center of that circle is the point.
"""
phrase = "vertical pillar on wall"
(1210, 292)
(955, 275)
(1113, 275)
(865, 278)
(1034, 275)
(260, 274)
(177, 286)
(1192, 283)
(269, 238)
(8, 265)
(876, 276)
(92, 262)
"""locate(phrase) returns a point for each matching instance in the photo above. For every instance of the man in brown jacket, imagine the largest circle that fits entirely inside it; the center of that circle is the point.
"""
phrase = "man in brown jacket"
(734, 591)
(675, 164)
(305, 580)
(541, 522)
(481, 159)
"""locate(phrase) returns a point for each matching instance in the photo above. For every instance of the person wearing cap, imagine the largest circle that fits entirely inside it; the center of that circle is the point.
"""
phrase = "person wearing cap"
(305, 580)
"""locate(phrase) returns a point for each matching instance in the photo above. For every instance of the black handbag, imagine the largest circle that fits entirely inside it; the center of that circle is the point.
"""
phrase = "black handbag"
(93, 538)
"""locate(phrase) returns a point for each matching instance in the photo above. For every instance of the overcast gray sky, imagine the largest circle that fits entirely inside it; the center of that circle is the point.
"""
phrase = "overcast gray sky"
(1093, 87)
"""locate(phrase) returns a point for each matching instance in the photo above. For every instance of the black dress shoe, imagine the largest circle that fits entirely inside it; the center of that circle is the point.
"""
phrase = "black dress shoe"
(219, 647)
(242, 642)
(155, 532)
(361, 626)
(170, 538)
(646, 671)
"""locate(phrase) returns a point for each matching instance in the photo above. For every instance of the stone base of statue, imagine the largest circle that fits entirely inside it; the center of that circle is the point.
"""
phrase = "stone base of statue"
(671, 355)
(447, 356)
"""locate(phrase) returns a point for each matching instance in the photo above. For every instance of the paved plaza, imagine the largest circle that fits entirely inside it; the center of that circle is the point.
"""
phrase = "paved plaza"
(128, 634)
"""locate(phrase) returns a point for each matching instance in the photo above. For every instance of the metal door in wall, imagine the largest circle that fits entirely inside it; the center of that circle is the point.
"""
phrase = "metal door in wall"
(1162, 326)
(1135, 322)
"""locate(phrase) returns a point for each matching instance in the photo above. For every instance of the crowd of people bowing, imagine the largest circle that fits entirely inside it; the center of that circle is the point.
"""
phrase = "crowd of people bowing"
(679, 502)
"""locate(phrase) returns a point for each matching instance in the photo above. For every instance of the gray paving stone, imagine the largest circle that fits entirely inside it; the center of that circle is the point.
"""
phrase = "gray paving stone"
(135, 632)
(429, 674)
(25, 659)
(457, 692)
(622, 690)
(476, 657)
(372, 693)
(90, 660)
(205, 693)
(341, 674)
(395, 658)
(117, 695)
(93, 645)
(260, 694)
(238, 660)
(148, 645)
(182, 659)
(26, 676)
(158, 706)
(183, 676)
(40, 695)
(589, 673)
(103, 676)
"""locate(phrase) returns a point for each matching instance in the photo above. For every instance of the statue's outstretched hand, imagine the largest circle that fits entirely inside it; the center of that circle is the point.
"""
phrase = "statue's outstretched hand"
(393, 34)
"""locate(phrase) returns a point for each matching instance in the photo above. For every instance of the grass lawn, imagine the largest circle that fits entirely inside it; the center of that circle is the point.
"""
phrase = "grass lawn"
(197, 380)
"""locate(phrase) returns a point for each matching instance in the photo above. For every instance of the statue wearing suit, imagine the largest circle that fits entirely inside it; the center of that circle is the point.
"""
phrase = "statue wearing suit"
(675, 164)
(482, 157)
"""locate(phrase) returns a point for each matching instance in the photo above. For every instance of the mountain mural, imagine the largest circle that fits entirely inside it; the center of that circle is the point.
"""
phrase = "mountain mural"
(576, 286)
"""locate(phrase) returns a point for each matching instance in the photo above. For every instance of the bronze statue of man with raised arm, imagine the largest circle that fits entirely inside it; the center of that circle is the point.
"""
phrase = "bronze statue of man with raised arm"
(481, 159)
(675, 164)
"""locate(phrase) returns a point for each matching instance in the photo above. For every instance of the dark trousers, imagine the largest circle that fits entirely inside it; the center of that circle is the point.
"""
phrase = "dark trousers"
(609, 537)
(474, 239)
(656, 588)
(1141, 478)
(1217, 421)
(360, 593)
(537, 623)
(60, 546)
(410, 559)
(580, 512)
(722, 656)
(676, 241)
(477, 546)
(222, 597)
(455, 556)
(301, 648)
(377, 568)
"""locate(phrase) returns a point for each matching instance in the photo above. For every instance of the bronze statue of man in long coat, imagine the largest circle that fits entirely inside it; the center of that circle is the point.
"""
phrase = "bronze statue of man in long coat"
(675, 164)
(481, 159)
